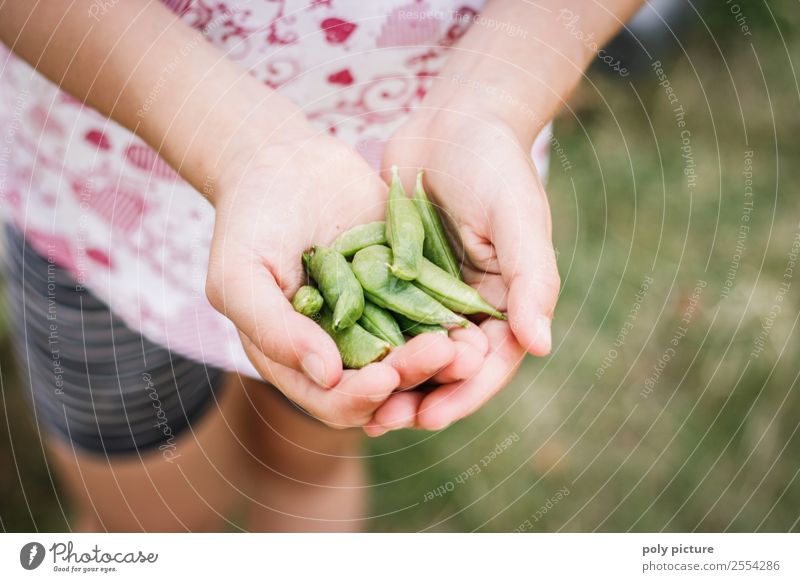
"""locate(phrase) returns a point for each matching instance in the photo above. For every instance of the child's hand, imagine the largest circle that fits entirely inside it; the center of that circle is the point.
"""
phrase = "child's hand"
(273, 202)
(480, 174)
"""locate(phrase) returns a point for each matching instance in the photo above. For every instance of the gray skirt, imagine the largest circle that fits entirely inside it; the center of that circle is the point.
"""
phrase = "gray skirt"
(92, 380)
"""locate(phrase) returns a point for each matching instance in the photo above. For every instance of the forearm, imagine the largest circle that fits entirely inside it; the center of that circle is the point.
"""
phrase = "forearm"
(150, 72)
(522, 59)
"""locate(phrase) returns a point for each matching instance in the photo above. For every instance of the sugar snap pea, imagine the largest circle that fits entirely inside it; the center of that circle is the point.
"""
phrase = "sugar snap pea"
(338, 285)
(356, 345)
(353, 240)
(451, 292)
(435, 247)
(380, 323)
(371, 267)
(375, 300)
(404, 231)
(307, 301)
(411, 327)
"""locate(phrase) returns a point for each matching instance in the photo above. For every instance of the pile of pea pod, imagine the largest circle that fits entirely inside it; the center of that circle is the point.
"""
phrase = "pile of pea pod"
(383, 281)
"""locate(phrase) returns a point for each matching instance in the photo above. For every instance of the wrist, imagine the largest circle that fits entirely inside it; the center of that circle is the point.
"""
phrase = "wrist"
(470, 93)
(240, 137)
(220, 123)
(523, 73)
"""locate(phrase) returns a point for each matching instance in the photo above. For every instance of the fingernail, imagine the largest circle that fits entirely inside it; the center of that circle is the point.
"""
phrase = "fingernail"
(377, 397)
(441, 425)
(377, 431)
(543, 331)
(314, 367)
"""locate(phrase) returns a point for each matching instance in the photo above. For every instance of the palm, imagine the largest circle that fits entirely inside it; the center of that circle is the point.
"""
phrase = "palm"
(280, 209)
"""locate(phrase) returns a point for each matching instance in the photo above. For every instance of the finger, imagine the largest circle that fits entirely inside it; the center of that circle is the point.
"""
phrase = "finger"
(454, 401)
(491, 287)
(352, 402)
(421, 358)
(473, 335)
(247, 293)
(479, 250)
(374, 430)
(399, 411)
(467, 362)
(521, 235)
(471, 346)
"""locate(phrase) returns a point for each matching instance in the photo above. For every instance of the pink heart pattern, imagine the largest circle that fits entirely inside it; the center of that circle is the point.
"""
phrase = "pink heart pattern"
(343, 77)
(336, 30)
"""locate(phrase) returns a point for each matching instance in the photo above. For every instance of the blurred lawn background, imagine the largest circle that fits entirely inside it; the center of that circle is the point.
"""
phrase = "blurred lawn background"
(705, 441)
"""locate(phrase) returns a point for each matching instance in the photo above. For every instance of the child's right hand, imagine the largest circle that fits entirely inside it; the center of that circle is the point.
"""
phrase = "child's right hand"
(273, 202)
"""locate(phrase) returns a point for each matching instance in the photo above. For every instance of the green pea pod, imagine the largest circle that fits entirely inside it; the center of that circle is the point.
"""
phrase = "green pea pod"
(356, 345)
(411, 327)
(371, 267)
(307, 301)
(338, 285)
(436, 247)
(380, 323)
(353, 240)
(451, 292)
(404, 231)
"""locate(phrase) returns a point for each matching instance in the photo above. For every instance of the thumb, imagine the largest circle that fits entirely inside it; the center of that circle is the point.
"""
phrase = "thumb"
(247, 292)
(521, 234)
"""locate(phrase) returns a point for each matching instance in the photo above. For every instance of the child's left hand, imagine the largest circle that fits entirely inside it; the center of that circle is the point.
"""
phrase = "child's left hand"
(482, 176)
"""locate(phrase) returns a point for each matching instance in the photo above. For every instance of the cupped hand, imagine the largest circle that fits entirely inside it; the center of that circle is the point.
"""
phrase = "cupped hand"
(273, 201)
(480, 174)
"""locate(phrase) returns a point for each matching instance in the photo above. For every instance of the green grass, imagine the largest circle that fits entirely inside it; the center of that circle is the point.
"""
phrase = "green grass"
(715, 445)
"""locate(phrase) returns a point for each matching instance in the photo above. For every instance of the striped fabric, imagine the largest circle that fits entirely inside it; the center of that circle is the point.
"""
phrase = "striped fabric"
(91, 379)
